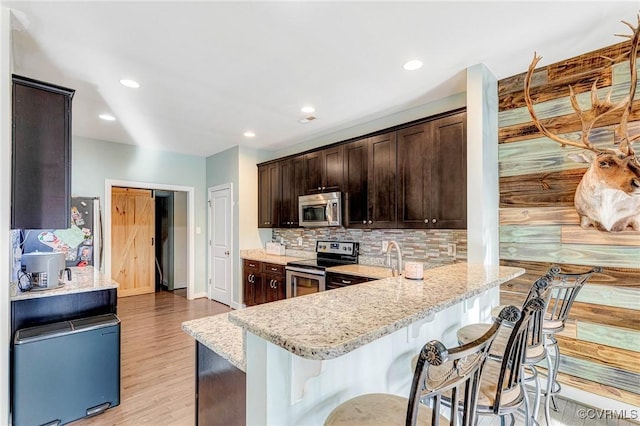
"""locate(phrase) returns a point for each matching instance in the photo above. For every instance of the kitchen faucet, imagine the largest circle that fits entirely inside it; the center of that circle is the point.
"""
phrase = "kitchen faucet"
(394, 272)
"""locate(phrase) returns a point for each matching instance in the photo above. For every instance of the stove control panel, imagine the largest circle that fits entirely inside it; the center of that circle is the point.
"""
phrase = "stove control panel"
(337, 247)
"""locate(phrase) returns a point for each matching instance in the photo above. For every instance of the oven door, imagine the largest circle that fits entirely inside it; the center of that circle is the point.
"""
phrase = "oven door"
(301, 281)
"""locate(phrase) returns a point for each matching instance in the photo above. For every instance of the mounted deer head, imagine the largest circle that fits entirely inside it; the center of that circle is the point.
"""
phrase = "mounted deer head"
(608, 196)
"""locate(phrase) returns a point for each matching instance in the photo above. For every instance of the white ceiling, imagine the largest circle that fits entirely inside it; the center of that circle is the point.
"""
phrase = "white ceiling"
(209, 71)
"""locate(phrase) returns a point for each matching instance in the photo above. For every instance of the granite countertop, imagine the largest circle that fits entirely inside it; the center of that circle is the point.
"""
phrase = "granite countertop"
(221, 336)
(259, 255)
(329, 324)
(83, 279)
(377, 272)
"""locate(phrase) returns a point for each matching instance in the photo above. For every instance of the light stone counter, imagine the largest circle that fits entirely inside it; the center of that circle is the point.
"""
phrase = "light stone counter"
(259, 255)
(327, 325)
(83, 279)
(377, 272)
(219, 335)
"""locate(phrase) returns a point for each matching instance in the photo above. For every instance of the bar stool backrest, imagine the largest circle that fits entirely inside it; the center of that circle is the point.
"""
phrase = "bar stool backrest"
(456, 372)
(563, 290)
(510, 376)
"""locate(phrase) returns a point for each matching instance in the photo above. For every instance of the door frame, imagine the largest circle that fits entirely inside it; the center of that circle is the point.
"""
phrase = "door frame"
(232, 256)
(191, 231)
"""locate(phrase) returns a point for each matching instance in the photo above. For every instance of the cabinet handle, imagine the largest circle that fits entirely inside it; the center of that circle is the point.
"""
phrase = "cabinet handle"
(324, 187)
(433, 220)
(319, 188)
(274, 269)
(426, 221)
(346, 282)
(252, 265)
(370, 222)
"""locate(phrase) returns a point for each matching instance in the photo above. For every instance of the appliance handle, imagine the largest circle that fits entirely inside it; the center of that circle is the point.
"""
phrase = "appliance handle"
(306, 271)
(68, 270)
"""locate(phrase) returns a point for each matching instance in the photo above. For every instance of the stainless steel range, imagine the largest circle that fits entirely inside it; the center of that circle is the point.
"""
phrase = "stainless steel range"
(309, 276)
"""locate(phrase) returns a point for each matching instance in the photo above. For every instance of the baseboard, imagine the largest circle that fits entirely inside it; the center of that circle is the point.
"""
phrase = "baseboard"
(199, 295)
(236, 305)
(182, 284)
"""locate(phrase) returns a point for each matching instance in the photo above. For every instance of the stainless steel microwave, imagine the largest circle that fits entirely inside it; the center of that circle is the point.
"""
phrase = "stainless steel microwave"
(320, 209)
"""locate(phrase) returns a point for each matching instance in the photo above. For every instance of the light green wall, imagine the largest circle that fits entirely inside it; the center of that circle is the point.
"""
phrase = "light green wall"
(237, 165)
(94, 161)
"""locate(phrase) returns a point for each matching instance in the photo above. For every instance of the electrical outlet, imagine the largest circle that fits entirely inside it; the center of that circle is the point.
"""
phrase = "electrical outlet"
(451, 249)
(299, 241)
(385, 246)
(281, 240)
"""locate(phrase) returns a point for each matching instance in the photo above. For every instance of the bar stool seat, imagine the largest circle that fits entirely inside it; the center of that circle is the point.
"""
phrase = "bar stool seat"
(471, 332)
(377, 409)
(438, 370)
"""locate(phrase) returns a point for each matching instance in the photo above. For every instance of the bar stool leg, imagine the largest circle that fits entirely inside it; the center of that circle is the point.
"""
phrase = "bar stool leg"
(536, 402)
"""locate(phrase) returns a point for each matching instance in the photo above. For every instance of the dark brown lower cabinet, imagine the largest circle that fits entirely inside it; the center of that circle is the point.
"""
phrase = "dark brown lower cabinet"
(221, 390)
(262, 282)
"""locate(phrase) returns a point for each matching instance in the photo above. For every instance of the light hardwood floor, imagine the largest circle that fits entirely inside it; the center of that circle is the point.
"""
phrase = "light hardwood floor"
(158, 364)
(158, 367)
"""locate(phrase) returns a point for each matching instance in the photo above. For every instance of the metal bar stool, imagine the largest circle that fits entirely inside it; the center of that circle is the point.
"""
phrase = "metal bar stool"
(535, 350)
(563, 290)
(438, 370)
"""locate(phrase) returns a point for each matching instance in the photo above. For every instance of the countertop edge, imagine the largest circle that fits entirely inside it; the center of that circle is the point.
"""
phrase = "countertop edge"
(320, 353)
(211, 339)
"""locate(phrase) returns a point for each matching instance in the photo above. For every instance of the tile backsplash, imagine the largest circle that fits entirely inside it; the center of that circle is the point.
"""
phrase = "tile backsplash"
(431, 247)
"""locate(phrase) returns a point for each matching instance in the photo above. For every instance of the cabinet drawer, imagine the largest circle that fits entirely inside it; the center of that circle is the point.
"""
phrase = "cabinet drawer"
(273, 268)
(252, 265)
(343, 280)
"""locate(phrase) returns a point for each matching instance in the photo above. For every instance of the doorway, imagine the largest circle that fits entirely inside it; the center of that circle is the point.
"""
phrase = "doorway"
(171, 241)
(221, 243)
(183, 218)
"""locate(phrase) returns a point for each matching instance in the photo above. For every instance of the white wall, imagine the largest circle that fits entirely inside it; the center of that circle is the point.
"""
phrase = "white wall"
(5, 207)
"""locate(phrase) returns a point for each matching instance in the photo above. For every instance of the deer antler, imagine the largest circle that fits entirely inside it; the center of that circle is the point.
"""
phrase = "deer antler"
(599, 108)
(623, 130)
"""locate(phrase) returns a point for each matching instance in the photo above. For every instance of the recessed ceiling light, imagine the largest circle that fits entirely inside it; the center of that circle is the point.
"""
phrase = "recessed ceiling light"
(130, 83)
(107, 117)
(307, 109)
(412, 65)
(249, 134)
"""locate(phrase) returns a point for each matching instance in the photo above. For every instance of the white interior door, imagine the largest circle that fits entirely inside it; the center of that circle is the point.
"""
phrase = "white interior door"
(220, 232)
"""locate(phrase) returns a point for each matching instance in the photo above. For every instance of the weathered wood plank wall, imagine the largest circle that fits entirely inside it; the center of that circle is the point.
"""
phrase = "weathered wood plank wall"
(539, 226)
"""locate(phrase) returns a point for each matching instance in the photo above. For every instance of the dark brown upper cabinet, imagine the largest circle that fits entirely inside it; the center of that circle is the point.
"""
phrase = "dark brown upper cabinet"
(41, 155)
(291, 187)
(432, 172)
(323, 170)
(268, 195)
(370, 182)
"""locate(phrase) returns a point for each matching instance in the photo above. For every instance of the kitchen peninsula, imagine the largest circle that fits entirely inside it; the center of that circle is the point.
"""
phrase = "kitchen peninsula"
(305, 355)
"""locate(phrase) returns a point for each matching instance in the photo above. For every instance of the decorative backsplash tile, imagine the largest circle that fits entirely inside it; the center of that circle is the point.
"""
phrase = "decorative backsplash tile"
(431, 247)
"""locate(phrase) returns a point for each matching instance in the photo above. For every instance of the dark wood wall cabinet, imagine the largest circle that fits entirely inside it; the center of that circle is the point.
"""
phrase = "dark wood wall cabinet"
(432, 174)
(262, 282)
(410, 176)
(41, 155)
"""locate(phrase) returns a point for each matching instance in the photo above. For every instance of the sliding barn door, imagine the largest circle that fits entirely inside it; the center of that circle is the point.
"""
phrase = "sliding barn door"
(132, 233)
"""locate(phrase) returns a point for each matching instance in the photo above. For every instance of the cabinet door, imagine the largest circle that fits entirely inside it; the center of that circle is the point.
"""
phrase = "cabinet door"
(292, 186)
(382, 181)
(356, 184)
(41, 162)
(274, 287)
(332, 171)
(414, 194)
(313, 172)
(268, 195)
(252, 279)
(449, 172)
